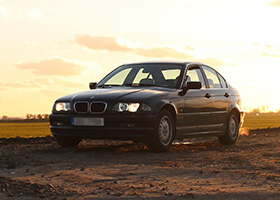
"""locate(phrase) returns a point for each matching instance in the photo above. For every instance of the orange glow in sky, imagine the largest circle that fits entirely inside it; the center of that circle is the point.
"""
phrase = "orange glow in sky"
(50, 49)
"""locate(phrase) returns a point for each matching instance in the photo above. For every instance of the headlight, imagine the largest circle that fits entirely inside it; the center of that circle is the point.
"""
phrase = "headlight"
(131, 107)
(62, 106)
(145, 108)
(123, 107)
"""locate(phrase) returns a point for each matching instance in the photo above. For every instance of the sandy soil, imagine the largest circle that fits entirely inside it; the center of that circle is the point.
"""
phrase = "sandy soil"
(199, 169)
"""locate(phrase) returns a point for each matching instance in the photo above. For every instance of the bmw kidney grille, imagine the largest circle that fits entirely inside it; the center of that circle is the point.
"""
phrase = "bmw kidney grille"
(93, 107)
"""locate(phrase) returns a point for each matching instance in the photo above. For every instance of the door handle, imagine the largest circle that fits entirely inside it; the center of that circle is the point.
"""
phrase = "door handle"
(207, 95)
(226, 95)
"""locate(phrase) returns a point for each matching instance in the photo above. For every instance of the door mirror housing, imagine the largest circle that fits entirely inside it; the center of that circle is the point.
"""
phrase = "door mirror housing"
(92, 85)
(195, 85)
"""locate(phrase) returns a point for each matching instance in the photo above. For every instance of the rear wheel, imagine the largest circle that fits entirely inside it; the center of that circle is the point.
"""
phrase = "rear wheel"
(67, 142)
(163, 132)
(232, 130)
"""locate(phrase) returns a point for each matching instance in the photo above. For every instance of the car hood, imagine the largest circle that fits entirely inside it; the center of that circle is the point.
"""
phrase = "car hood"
(117, 94)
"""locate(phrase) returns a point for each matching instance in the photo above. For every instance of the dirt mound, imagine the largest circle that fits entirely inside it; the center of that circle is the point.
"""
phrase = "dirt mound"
(20, 140)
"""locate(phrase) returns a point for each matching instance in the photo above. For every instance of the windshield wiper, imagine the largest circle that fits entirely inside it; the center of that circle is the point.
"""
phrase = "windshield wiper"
(138, 85)
(130, 85)
(108, 85)
(151, 85)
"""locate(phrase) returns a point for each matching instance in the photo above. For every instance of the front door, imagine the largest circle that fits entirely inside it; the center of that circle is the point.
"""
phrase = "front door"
(197, 106)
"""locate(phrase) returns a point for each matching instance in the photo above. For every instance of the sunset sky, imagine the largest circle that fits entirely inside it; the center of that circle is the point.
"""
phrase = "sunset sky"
(52, 48)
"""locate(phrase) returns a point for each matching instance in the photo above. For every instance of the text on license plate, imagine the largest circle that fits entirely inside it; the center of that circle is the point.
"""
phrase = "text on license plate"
(87, 121)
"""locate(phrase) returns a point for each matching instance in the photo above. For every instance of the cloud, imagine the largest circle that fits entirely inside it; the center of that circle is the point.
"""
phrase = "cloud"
(22, 84)
(15, 84)
(162, 52)
(187, 47)
(115, 44)
(44, 83)
(271, 55)
(55, 82)
(270, 51)
(275, 3)
(214, 62)
(268, 46)
(54, 94)
(4, 12)
(100, 43)
(34, 13)
(54, 66)
(30, 42)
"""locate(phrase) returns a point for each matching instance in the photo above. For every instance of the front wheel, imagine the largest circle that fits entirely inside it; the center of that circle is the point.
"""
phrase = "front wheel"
(232, 130)
(67, 142)
(163, 132)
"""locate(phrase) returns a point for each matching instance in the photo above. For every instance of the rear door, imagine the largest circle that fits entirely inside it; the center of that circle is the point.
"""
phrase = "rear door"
(219, 95)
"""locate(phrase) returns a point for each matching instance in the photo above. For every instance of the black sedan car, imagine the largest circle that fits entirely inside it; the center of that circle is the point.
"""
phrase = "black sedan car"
(152, 102)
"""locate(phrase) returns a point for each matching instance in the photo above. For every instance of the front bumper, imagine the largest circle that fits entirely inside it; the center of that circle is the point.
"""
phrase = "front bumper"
(116, 126)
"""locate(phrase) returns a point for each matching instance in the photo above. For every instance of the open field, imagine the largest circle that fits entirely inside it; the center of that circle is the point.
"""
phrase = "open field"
(262, 120)
(26, 130)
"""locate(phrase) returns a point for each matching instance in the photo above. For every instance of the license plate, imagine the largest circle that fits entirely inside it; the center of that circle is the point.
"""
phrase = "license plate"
(87, 121)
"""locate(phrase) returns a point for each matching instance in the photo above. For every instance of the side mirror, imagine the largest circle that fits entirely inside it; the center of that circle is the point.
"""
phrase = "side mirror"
(196, 85)
(193, 85)
(92, 85)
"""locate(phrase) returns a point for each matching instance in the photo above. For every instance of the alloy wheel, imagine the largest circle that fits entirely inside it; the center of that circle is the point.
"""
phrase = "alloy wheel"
(165, 130)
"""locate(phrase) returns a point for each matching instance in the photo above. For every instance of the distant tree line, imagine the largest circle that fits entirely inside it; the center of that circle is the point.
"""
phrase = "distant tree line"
(28, 117)
(37, 116)
(263, 109)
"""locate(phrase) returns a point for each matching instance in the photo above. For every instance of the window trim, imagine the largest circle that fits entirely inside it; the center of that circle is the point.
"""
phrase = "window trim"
(195, 66)
(220, 76)
(208, 86)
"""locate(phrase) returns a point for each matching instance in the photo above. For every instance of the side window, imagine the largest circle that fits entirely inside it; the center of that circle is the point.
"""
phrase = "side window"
(223, 82)
(212, 78)
(195, 75)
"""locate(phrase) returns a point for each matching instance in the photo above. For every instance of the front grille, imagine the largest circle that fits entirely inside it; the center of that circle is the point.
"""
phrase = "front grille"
(93, 107)
(81, 107)
(98, 107)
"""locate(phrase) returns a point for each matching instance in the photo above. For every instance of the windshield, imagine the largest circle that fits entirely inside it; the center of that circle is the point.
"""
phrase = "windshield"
(161, 75)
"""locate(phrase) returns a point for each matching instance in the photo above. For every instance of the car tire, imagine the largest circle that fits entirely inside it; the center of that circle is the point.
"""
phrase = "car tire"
(67, 142)
(232, 130)
(164, 132)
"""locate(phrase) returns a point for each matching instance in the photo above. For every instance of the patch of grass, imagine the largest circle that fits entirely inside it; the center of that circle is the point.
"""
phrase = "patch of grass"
(262, 121)
(26, 130)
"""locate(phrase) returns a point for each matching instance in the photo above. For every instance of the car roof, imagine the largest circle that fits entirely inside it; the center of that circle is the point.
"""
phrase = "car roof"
(164, 62)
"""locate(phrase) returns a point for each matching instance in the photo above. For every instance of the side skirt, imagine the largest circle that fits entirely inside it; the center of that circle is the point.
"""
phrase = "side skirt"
(195, 131)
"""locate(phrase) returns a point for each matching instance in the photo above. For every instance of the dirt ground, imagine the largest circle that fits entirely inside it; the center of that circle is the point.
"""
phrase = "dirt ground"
(197, 169)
